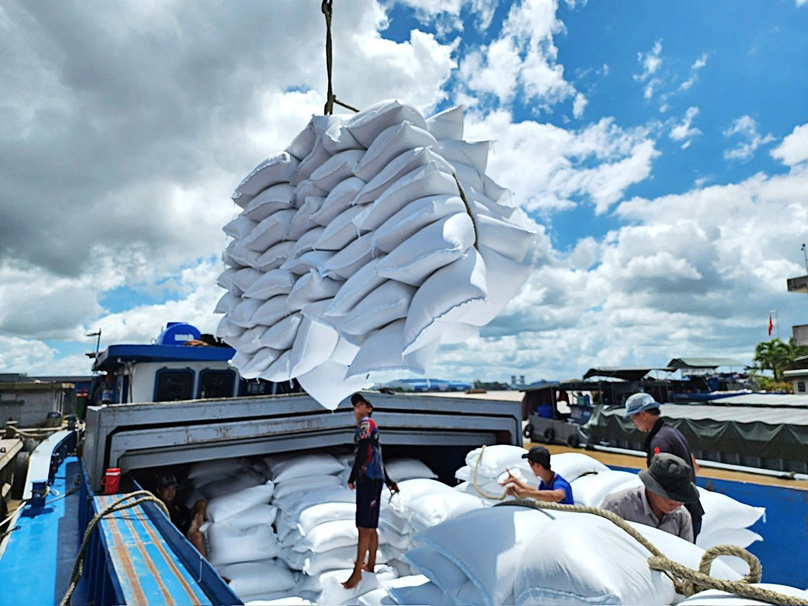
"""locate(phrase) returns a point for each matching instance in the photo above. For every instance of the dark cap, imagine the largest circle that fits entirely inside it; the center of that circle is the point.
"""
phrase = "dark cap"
(358, 398)
(167, 481)
(670, 476)
(540, 455)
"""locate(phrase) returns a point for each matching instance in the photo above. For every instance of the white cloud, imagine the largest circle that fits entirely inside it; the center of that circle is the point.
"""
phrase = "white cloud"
(651, 62)
(522, 59)
(579, 105)
(794, 148)
(446, 13)
(684, 131)
(745, 128)
(547, 166)
(694, 69)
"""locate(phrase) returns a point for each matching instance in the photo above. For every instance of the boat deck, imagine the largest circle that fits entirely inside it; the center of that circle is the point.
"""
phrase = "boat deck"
(615, 459)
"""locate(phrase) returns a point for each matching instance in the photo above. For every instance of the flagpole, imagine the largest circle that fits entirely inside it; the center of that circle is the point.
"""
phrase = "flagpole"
(776, 321)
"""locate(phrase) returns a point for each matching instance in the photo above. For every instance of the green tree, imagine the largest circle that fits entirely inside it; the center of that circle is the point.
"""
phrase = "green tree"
(776, 355)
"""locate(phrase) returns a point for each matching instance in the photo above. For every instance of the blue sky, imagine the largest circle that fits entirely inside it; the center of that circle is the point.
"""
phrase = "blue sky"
(660, 147)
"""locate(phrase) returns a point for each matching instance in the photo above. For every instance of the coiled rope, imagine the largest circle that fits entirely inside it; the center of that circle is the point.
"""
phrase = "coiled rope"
(685, 580)
(331, 98)
(139, 496)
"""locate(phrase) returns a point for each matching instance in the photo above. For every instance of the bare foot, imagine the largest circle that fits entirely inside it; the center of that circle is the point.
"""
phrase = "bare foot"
(369, 567)
(353, 580)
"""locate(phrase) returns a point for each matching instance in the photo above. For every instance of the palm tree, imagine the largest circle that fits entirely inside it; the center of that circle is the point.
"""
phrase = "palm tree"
(776, 355)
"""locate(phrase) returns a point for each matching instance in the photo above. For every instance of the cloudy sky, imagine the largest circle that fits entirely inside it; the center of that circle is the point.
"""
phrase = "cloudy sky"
(661, 148)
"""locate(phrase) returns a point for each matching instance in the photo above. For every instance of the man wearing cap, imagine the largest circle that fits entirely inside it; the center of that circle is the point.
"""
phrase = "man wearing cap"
(658, 503)
(552, 487)
(367, 476)
(187, 521)
(643, 411)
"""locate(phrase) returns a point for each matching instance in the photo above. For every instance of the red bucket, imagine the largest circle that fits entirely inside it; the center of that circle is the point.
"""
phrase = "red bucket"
(111, 482)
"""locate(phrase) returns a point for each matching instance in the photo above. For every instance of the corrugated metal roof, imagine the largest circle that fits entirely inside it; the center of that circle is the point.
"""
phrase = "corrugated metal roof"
(704, 362)
(737, 414)
(626, 373)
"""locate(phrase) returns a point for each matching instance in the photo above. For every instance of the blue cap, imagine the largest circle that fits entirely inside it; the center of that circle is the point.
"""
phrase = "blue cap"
(639, 402)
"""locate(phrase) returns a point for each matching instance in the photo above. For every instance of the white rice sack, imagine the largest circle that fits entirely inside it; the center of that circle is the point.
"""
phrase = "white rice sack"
(302, 220)
(356, 288)
(265, 286)
(248, 342)
(303, 465)
(311, 260)
(331, 129)
(328, 384)
(350, 259)
(387, 303)
(262, 577)
(490, 555)
(742, 537)
(310, 288)
(270, 231)
(277, 372)
(338, 168)
(592, 489)
(329, 535)
(275, 256)
(366, 125)
(416, 590)
(413, 218)
(431, 510)
(495, 459)
(509, 240)
(389, 144)
(261, 360)
(239, 227)
(722, 511)
(428, 180)
(504, 279)
(268, 312)
(407, 162)
(282, 600)
(316, 158)
(227, 330)
(324, 512)
(436, 567)
(245, 277)
(431, 248)
(342, 197)
(258, 515)
(227, 505)
(382, 352)
(341, 231)
(228, 545)
(409, 490)
(275, 169)
(442, 298)
(407, 469)
(601, 564)
(225, 486)
(282, 335)
(287, 487)
(334, 593)
(277, 199)
(225, 280)
(520, 469)
(572, 465)
(227, 303)
(473, 154)
(447, 124)
(715, 597)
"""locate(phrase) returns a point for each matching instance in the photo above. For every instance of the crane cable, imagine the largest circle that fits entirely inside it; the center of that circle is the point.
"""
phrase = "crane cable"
(331, 98)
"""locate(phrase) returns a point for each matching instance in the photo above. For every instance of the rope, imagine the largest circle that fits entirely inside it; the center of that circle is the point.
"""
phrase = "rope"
(118, 505)
(480, 458)
(331, 98)
(685, 580)
(468, 210)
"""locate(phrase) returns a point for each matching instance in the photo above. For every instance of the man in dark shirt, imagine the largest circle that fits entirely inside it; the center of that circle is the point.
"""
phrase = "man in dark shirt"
(186, 520)
(643, 411)
(367, 476)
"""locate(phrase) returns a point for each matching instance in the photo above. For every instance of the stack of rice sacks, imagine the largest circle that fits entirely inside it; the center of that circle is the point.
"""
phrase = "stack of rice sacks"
(242, 543)
(354, 251)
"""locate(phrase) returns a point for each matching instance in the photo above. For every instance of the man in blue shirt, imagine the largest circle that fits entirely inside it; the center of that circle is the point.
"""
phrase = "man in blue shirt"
(552, 487)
